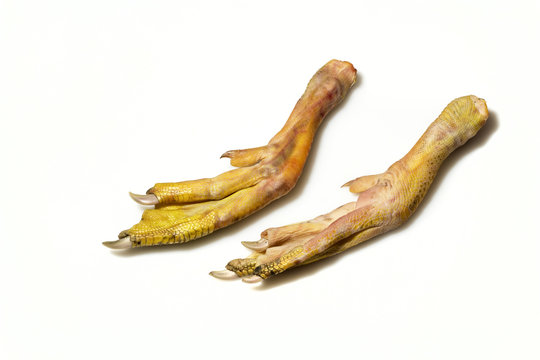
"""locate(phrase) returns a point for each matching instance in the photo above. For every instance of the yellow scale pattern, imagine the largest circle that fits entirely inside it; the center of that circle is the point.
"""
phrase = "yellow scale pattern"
(387, 200)
(278, 266)
(191, 209)
(188, 230)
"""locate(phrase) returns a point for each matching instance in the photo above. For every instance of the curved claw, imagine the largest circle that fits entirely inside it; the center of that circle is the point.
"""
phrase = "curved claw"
(260, 245)
(149, 199)
(362, 183)
(124, 243)
(253, 279)
(246, 157)
(224, 275)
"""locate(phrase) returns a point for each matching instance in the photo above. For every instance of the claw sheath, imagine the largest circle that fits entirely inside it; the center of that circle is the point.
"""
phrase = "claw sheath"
(191, 209)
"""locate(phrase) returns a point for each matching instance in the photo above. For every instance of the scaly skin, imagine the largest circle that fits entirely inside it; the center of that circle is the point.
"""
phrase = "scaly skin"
(385, 201)
(191, 209)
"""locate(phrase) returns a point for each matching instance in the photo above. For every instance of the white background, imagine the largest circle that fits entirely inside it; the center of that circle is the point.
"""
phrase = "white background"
(100, 98)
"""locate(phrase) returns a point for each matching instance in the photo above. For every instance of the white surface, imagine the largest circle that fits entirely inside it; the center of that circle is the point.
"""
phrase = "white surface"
(104, 97)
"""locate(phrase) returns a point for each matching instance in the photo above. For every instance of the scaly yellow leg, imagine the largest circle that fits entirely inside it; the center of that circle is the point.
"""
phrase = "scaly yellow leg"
(385, 201)
(191, 209)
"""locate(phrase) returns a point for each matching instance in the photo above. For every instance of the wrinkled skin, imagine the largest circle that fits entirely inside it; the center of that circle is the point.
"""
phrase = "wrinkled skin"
(189, 210)
(385, 201)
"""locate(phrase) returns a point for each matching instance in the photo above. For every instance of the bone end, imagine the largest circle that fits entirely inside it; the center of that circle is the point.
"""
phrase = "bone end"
(481, 106)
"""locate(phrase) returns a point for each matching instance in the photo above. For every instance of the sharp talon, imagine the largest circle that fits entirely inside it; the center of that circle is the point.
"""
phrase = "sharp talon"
(224, 275)
(149, 199)
(260, 245)
(124, 243)
(252, 279)
(226, 154)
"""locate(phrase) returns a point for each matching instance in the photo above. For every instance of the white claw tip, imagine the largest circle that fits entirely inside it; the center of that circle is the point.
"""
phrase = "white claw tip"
(124, 243)
(252, 279)
(260, 245)
(149, 199)
(224, 275)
